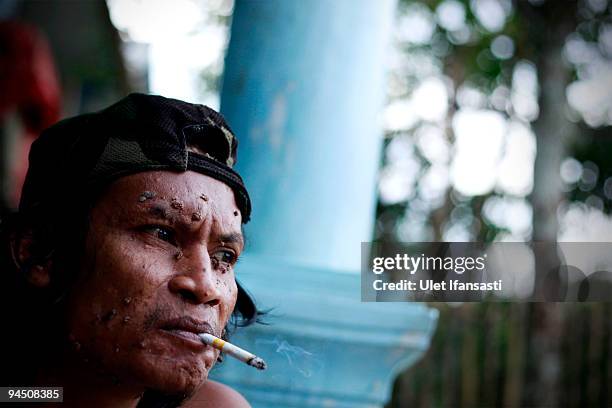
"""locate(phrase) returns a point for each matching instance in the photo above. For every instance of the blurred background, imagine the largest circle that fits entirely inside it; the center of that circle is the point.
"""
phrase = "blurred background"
(497, 127)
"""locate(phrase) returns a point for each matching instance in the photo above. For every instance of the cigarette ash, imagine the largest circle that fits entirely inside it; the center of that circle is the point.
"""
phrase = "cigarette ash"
(305, 362)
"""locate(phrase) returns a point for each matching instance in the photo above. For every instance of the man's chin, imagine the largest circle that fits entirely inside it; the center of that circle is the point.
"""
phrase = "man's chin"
(185, 387)
(176, 378)
(167, 368)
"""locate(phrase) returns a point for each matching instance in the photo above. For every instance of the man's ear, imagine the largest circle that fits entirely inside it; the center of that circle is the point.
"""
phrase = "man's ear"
(24, 258)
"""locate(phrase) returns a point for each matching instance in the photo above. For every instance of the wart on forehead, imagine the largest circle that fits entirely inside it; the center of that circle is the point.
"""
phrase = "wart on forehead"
(171, 210)
(182, 195)
(146, 195)
(159, 211)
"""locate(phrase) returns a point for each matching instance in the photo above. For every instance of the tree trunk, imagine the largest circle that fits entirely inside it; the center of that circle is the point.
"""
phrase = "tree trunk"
(549, 25)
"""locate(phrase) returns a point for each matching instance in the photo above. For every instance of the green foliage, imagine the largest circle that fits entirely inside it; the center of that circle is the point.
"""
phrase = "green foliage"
(531, 27)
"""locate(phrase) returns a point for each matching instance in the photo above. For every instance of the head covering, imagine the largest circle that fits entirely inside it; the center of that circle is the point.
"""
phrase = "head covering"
(83, 154)
(139, 133)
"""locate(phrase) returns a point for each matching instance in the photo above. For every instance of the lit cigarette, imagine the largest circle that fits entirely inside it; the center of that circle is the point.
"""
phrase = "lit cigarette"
(234, 351)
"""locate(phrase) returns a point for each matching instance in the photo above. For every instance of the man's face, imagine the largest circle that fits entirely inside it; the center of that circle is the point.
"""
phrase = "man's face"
(158, 268)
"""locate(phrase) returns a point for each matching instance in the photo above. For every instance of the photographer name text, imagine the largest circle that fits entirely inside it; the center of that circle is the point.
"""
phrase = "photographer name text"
(422, 263)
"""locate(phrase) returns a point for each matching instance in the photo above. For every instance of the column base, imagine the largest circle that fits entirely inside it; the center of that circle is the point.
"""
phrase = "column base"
(324, 348)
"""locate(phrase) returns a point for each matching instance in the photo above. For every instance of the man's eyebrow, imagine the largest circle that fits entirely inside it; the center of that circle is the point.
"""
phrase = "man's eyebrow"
(161, 212)
(158, 211)
(232, 237)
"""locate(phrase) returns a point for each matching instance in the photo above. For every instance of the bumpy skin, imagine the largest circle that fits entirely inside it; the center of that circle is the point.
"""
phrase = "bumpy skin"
(161, 246)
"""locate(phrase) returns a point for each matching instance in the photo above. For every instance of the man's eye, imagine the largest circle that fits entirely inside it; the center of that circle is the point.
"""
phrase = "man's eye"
(225, 257)
(163, 233)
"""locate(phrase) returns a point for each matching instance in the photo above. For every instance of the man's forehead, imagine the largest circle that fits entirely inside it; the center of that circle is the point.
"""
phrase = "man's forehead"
(172, 185)
(170, 181)
(186, 193)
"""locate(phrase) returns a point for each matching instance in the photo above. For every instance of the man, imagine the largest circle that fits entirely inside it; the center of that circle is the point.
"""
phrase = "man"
(123, 248)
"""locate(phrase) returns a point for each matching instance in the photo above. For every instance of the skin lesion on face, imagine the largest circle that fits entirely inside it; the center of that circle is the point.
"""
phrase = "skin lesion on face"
(156, 275)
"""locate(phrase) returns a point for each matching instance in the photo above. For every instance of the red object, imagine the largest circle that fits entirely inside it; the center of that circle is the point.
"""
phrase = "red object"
(29, 86)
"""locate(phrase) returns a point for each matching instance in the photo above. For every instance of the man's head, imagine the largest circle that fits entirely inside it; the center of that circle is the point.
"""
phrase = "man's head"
(128, 229)
(158, 271)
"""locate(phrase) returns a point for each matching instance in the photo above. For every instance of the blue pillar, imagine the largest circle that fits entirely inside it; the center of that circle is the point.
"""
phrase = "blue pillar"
(303, 89)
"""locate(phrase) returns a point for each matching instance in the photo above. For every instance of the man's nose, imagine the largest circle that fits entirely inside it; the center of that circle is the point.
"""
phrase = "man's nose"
(197, 283)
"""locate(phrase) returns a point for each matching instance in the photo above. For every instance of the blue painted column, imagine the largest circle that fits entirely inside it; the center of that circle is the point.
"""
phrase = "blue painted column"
(303, 89)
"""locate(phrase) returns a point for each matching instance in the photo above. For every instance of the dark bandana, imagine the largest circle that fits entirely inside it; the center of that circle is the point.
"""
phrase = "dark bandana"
(139, 133)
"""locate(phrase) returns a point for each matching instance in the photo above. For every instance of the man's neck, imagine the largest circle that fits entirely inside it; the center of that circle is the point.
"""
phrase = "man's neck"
(84, 387)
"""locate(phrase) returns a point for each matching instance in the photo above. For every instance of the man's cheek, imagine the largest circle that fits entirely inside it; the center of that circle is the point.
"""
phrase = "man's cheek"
(108, 318)
(144, 270)
(230, 299)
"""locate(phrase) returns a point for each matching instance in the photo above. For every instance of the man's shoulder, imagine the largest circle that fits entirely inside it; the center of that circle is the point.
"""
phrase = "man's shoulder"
(214, 395)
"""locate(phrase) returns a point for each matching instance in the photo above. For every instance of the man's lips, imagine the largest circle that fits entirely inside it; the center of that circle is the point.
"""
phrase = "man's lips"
(184, 334)
(187, 328)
